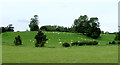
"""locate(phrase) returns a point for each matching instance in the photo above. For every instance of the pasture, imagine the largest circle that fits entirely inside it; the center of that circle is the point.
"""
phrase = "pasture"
(54, 52)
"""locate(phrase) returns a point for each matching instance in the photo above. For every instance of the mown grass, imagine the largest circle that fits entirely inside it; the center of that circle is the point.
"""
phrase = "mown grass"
(54, 52)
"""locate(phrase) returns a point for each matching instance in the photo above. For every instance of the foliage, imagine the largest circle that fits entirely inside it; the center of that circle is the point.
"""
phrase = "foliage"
(118, 42)
(18, 40)
(113, 42)
(85, 43)
(54, 28)
(48, 28)
(66, 45)
(9, 28)
(40, 39)
(34, 23)
(117, 36)
(107, 32)
(90, 27)
(74, 43)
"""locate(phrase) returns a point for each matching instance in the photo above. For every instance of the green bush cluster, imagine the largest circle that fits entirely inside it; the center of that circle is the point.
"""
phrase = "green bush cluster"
(54, 28)
(40, 39)
(113, 42)
(80, 43)
(117, 36)
(85, 43)
(18, 40)
(88, 27)
(66, 45)
(9, 28)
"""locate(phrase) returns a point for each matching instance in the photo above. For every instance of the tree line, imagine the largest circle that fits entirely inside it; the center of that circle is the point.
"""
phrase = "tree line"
(9, 28)
(83, 25)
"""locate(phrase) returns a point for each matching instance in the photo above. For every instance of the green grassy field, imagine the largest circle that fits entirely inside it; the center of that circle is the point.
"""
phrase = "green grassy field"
(54, 52)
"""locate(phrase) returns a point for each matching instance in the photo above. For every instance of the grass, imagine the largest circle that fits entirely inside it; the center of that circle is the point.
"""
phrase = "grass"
(54, 52)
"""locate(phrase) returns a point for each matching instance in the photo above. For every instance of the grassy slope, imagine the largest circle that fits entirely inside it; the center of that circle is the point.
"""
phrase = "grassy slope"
(54, 52)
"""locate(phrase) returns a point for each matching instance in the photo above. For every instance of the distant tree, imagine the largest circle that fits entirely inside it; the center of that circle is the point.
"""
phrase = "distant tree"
(2, 29)
(60, 28)
(80, 24)
(44, 28)
(107, 32)
(72, 29)
(9, 28)
(88, 27)
(102, 32)
(48, 28)
(40, 39)
(54, 28)
(117, 36)
(34, 23)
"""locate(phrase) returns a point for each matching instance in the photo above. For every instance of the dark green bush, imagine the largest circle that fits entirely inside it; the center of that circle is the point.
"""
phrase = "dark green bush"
(18, 40)
(95, 43)
(118, 42)
(117, 36)
(110, 42)
(66, 45)
(40, 39)
(85, 43)
(89, 43)
(74, 43)
(113, 42)
(81, 43)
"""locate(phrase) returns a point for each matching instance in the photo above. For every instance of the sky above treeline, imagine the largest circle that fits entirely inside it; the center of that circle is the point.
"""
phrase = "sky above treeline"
(58, 12)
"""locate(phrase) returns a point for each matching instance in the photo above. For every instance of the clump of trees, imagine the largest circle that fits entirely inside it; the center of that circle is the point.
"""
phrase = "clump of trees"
(18, 40)
(40, 39)
(34, 24)
(9, 28)
(87, 27)
(54, 28)
(117, 36)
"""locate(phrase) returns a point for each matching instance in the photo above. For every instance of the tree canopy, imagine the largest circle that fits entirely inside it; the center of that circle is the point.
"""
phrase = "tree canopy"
(34, 23)
(89, 27)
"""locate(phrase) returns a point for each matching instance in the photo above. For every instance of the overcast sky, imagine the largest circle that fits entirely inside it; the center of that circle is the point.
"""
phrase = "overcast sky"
(58, 12)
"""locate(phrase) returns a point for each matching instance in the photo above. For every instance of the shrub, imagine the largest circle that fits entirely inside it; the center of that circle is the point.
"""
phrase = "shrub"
(89, 43)
(110, 42)
(81, 43)
(95, 43)
(96, 33)
(74, 43)
(118, 42)
(117, 36)
(85, 43)
(40, 39)
(66, 45)
(18, 40)
(113, 42)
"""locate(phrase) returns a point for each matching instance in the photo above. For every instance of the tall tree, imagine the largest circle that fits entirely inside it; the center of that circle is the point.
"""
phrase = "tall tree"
(88, 27)
(34, 23)
(80, 23)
